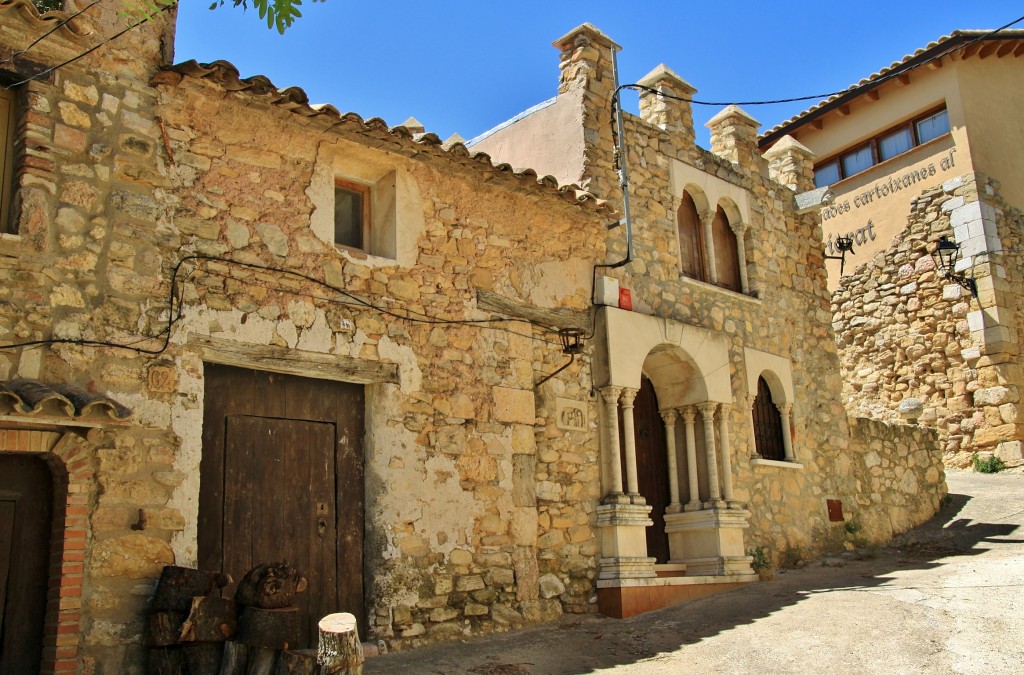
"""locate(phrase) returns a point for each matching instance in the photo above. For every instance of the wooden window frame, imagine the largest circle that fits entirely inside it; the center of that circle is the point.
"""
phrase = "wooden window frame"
(366, 194)
(874, 140)
(7, 151)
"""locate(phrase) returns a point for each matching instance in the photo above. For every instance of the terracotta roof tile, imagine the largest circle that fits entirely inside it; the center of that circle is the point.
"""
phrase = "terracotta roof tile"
(48, 20)
(295, 100)
(944, 45)
(32, 397)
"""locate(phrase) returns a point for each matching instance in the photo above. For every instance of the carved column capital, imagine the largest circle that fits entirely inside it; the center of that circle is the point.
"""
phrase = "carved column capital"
(707, 409)
(628, 396)
(610, 394)
(738, 228)
(689, 414)
(784, 408)
(669, 415)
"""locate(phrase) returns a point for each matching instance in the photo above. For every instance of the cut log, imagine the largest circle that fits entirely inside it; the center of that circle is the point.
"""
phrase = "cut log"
(165, 661)
(269, 628)
(178, 585)
(340, 651)
(163, 628)
(297, 662)
(210, 620)
(203, 658)
(235, 660)
(270, 586)
(261, 661)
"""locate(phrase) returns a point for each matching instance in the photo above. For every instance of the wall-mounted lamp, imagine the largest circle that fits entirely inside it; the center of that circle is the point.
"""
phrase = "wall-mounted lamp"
(844, 245)
(946, 255)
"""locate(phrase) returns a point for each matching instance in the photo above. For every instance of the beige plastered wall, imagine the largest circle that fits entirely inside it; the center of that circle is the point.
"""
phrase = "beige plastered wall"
(871, 206)
(549, 140)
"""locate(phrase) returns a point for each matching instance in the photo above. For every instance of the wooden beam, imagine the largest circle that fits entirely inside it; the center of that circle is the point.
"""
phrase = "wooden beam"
(935, 64)
(903, 79)
(555, 318)
(818, 123)
(1007, 47)
(873, 94)
(970, 50)
(1020, 48)
(988, 50)
(293, 361)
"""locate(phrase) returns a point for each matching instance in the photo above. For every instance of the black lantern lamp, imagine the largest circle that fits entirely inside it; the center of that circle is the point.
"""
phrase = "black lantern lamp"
(844, 246)
(946, 255)
(572, 344)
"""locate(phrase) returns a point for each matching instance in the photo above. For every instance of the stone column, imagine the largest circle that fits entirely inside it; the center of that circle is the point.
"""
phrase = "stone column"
(707, 413)
(785, 412)
(610, 426)
(689, 415)
(706, 220)
(669, 416)
(725, 452)
(739, 229)
(629, 434)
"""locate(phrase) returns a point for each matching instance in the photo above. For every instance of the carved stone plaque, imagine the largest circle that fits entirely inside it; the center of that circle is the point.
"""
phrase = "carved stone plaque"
(162, 379)
(570, 415)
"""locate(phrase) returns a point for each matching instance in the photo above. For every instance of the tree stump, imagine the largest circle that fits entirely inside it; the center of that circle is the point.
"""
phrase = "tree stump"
(235, 660)
(210, 620)
(270, 586)
(165, 661)
(261, 661)
(178, 585)
(340, 651)
(269, 628)
(297, 662)
(203, 658)
(163, 628)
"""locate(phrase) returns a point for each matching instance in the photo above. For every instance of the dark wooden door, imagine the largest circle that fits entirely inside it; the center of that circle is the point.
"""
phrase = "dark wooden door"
(282, 480)
(727, 262)
(26, 520)
(691, 240)
(652, 466)
(767, 424)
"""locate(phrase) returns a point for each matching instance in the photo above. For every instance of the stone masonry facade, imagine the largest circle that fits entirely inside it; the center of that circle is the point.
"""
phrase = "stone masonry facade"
(906, 332)
(181, 211)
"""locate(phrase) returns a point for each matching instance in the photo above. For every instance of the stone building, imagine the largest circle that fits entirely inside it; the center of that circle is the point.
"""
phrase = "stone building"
(724, 374)
(236, 328)
(917, 152)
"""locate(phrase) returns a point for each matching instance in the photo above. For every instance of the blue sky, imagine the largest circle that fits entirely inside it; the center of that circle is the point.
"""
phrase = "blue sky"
(465, 66)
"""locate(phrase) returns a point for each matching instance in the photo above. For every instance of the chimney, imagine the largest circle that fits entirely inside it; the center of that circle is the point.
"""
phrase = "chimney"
(792, 164)
(586, 60)
(734, 137)
(672, 115)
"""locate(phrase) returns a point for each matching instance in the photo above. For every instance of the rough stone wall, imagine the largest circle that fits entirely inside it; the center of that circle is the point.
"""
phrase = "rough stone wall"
(479, 510)
(788, 315)
(905, 331)
(891, 478)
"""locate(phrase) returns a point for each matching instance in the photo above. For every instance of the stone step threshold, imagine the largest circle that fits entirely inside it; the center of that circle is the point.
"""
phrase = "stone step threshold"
(623, 598)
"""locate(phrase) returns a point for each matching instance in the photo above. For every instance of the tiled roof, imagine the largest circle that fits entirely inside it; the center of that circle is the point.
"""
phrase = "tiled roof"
(33, 398)
(48, 20)
(397, 138)
(944, 45)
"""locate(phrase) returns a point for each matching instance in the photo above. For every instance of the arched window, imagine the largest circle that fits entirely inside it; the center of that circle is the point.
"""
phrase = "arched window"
(727, 259)
(691, 240)
(767, 424)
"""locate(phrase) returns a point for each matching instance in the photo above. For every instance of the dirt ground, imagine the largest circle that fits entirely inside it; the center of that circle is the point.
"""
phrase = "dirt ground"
(946, 598)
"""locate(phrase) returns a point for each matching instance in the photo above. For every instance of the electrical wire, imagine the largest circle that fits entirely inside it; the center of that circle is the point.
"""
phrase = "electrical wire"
(175, 308)
(60, 24)
(90, 50)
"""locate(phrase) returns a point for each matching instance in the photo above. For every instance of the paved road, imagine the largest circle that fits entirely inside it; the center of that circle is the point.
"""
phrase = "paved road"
(948, 599)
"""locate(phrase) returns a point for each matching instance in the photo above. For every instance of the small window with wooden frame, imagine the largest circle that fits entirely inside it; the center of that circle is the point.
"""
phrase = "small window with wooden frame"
(891, 142)
(352, 216)
(691, 240)
(767, 424)
(8, 119)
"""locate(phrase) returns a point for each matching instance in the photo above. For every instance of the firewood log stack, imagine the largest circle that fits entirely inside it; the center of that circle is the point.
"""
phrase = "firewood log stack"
(269, 622)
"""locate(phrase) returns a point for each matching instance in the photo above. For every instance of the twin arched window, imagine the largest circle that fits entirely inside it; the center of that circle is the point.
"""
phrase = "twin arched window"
(694, 253)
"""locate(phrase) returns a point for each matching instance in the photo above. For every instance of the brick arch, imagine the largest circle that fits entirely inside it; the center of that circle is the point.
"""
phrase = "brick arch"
(67, 456)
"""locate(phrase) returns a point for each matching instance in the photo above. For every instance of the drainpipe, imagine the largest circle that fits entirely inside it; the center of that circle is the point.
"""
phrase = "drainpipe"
(620, 162)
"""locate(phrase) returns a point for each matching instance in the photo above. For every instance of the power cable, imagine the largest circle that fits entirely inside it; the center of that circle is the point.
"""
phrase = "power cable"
(60, 24)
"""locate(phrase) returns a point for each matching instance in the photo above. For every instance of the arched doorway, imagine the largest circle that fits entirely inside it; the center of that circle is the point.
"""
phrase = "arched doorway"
(26, 521)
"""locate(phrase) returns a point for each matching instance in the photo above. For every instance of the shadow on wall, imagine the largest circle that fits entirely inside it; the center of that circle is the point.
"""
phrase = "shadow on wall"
(584, 644)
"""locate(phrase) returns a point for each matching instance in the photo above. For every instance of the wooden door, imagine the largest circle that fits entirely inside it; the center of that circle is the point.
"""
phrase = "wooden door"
(651, 466)
(691, 240)
(727, 262)
(26, 520)
(281, 479)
